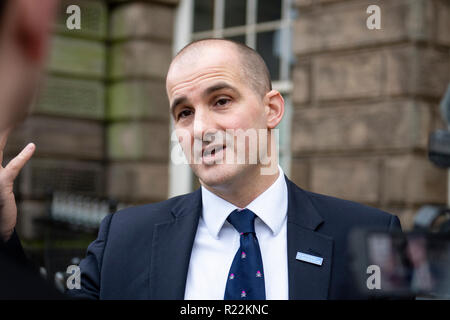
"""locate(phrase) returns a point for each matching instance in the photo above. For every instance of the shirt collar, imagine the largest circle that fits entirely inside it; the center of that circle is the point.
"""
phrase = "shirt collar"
(270, 206)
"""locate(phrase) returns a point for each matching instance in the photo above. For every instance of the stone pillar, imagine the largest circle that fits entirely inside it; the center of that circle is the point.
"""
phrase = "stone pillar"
(366, 100)
(138, 127)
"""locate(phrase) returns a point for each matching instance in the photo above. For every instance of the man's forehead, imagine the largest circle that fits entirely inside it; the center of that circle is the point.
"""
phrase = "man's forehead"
(203, 63)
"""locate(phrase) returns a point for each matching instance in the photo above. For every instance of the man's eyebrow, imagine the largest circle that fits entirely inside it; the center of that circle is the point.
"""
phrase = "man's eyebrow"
(176, 102)
(206, 92)
(219, 86)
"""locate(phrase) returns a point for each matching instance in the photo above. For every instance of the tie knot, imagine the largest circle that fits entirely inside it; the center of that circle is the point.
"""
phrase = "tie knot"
(242, 220)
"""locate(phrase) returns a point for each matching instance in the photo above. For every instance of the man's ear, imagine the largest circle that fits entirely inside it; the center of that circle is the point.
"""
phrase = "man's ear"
(34, 26)
(274, 106)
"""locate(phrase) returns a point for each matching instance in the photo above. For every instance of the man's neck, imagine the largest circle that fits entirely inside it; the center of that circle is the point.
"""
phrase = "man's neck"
(246, 189)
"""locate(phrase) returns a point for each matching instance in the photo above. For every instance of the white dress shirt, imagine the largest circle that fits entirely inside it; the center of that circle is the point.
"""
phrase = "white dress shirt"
(217, 241)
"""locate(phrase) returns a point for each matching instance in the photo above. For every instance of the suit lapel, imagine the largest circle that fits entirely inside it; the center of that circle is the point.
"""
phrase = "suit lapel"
(171, 249)
(306, 280)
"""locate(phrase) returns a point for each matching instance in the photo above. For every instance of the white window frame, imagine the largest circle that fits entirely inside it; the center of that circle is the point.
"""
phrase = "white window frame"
(180, 175)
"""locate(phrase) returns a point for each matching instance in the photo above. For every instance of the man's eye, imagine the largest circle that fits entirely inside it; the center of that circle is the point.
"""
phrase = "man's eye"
(184, 114)
(222, 102)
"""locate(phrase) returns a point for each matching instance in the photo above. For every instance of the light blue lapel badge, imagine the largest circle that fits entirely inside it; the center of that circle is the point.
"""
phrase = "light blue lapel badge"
(301, 256)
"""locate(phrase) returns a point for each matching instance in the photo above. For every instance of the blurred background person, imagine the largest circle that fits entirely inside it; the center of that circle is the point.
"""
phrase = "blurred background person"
(24, 35)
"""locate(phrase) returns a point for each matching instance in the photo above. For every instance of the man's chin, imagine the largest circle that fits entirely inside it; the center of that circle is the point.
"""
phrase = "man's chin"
(216, 175)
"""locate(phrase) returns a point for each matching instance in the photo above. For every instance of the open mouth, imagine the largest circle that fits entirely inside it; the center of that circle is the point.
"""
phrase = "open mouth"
(213, 154)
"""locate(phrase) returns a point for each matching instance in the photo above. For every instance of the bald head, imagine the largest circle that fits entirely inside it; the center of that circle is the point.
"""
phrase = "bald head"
(253, 69)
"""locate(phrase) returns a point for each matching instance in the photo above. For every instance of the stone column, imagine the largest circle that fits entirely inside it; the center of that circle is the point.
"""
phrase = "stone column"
(138, 127)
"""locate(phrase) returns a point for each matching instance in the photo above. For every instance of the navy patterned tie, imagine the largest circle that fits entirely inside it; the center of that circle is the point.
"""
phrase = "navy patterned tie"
(246, 277)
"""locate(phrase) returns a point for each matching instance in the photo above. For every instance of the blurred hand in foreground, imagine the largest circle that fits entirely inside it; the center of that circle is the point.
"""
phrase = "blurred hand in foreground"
(8, 173)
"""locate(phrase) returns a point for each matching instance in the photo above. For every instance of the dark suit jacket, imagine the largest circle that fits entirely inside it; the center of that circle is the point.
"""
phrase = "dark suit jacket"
(143, 252)
(19, 279)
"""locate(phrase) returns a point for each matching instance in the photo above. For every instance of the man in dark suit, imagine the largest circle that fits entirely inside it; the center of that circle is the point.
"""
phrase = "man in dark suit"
(183, 248)
(248, 232)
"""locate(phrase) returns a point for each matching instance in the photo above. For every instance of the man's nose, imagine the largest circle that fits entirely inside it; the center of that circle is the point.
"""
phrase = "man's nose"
(203, 122)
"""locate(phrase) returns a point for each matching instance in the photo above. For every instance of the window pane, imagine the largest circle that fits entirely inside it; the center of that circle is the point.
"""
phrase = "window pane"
(269, 10)
(235, 13)
(268, 46)
(240, 39)
(203, 15)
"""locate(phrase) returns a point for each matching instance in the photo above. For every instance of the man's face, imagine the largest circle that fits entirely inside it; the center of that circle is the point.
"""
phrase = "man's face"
(208, 95)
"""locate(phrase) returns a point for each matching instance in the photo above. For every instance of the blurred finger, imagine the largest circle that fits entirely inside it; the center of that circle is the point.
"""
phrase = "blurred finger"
(15, 165)
(3, 139)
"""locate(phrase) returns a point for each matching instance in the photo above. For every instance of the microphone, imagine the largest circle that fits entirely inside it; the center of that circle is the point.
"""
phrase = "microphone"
(439, 141)
(445, 107)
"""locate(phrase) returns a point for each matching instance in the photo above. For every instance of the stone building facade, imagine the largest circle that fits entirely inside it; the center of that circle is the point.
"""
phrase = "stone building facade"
(367, 100)
(364, 103)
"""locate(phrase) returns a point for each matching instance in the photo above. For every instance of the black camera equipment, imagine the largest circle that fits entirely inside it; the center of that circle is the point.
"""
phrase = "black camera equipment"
(439, 143)
(439, 154)
(416, 263)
